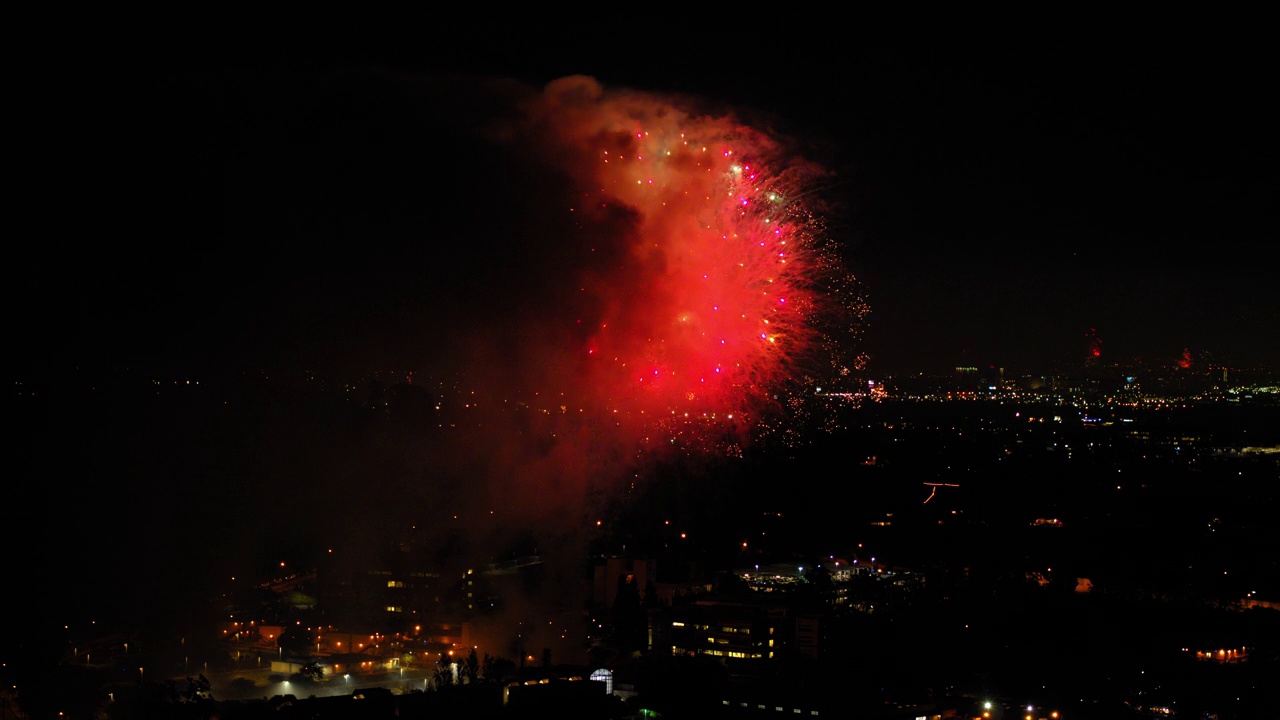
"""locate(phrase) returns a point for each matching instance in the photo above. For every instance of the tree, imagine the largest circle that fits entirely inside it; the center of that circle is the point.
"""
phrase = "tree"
(443, 673)
(473, 666)
(497, 668)
(197, 690)
(651, 599)
(312, 671)
(628, 616)
(296, 641)
(818, 588)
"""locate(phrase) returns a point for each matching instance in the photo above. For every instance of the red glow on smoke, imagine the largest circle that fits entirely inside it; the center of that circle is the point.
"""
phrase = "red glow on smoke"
(711, 299)
(1094, 344)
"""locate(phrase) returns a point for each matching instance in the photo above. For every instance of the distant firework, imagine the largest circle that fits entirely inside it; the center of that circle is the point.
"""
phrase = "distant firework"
(722, 302)
(1093, 347)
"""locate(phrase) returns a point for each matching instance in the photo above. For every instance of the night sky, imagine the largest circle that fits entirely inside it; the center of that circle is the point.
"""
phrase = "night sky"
(342, 205)
(246, 199)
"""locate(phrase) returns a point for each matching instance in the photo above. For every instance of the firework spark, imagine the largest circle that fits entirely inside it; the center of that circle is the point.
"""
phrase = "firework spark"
(714, 306)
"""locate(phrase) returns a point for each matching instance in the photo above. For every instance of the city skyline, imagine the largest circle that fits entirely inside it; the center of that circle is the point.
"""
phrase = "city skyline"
(1016, 513)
